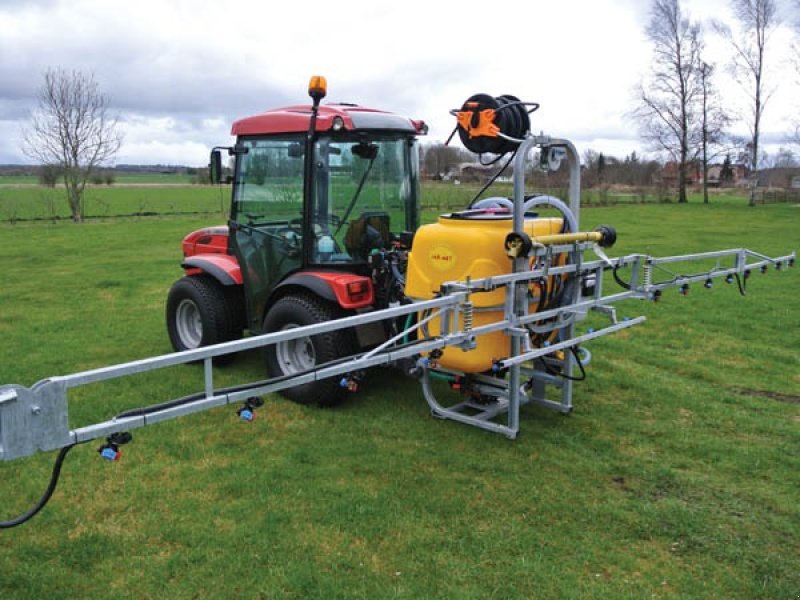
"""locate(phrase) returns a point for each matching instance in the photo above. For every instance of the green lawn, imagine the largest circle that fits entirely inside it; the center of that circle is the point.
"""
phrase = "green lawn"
(38, 203)
(677, 475)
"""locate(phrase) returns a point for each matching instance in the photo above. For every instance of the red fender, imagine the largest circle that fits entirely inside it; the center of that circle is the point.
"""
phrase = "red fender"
(223, 267)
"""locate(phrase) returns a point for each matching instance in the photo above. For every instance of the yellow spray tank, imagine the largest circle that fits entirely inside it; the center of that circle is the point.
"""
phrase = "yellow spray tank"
(471, 244)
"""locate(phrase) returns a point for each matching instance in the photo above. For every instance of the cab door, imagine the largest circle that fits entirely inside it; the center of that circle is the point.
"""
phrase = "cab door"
(266, 221)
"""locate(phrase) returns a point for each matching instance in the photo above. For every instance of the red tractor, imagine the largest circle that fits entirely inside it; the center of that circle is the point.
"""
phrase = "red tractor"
(324, 201)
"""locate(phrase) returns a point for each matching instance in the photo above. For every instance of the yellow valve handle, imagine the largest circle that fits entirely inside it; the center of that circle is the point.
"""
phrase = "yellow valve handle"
(519, 244)
(566, 238)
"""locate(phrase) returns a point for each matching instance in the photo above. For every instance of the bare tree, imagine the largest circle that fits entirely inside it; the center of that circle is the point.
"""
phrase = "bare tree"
(757, 20)
(589, 164)
(668, 98)
(713, 122)
(785, 158)
(71, 129)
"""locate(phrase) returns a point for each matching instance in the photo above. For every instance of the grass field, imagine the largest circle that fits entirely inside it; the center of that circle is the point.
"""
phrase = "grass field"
(119, 179)
(677, 475)
(37, 203)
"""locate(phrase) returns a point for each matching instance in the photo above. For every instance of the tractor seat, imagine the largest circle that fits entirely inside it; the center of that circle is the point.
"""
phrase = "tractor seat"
(367, 233)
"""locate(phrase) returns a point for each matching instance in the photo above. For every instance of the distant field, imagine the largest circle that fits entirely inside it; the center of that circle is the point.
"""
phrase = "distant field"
(676, 476)
(37, 203)
(170, 194)
(166, 178)
(19, 180)
(152, 178)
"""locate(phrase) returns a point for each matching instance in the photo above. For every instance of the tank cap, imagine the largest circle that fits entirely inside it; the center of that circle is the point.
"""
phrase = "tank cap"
(489, 213)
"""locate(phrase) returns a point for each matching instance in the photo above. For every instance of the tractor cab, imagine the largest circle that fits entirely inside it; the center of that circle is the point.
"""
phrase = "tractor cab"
(363, 192)
(319, 191)
(325, 203)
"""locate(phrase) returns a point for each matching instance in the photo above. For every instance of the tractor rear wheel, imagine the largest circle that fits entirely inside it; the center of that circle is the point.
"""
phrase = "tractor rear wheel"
(201, 312)
(302, 354)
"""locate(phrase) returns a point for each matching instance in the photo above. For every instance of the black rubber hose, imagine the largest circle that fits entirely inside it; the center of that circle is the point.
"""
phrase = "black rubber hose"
(48, 492)
(146, 410)
(617, 278)
(558, 373)
(742, 288)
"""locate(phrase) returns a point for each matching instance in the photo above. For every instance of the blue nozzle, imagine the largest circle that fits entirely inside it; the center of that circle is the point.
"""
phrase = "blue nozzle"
(109, 453)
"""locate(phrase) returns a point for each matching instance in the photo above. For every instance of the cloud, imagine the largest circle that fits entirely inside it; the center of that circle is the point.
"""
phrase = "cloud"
(10, 152)
(170, 139)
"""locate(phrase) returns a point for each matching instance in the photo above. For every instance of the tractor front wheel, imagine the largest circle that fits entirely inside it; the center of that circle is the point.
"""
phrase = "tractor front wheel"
(201, 312)
(303, 354)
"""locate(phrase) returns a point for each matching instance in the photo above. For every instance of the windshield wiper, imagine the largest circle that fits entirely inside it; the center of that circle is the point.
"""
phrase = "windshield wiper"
(355, 195)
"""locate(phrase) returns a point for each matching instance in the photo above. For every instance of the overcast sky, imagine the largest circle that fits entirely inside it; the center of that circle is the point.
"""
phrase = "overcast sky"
(180, 71)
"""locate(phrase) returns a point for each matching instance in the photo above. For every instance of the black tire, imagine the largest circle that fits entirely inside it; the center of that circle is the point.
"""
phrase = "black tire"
(300, 355)
(201, 312)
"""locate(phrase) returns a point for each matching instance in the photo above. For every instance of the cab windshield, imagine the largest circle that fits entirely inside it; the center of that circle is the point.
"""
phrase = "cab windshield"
(364, 191)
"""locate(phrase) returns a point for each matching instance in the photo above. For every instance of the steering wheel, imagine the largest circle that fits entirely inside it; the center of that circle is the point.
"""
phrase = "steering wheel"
(291, 240)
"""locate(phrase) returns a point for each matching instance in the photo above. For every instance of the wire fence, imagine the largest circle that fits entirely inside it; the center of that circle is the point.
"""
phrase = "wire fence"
(777, 195)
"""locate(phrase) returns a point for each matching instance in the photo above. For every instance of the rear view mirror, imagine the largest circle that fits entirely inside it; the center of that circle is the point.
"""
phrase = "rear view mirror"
(365, 150)
(215, 166)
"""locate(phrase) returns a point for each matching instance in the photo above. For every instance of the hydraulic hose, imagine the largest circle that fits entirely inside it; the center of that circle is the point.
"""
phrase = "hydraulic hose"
(51, 487)
(146, 410)
(545, 200)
